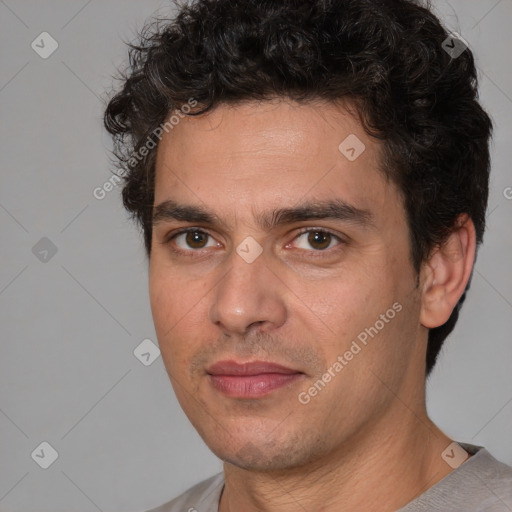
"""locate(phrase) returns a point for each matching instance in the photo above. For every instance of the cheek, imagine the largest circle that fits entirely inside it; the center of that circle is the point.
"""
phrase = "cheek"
(340, 308)
(351, 307)
(344, 303)
(173, 297)
(175, 307)
(162, 302)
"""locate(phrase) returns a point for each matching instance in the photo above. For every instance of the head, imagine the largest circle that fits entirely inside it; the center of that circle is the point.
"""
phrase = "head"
(343, 148)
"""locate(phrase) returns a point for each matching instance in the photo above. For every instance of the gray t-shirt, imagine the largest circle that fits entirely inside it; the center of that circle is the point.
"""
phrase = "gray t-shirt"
(481, 484)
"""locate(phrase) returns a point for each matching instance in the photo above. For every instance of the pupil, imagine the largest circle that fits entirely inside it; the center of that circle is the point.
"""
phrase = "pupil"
(319, 239)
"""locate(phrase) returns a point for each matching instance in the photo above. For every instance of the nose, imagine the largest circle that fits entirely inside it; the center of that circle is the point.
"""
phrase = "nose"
(249, 295)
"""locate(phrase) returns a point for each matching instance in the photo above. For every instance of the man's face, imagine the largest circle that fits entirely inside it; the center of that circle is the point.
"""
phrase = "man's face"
(311, 280)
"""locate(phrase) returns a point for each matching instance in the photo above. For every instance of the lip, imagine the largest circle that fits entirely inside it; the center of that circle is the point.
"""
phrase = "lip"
(253, 379)
(249, 368)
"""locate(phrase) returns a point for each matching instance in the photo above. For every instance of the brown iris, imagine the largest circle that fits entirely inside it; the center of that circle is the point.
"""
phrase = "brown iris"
(196, 239)
(319, 239)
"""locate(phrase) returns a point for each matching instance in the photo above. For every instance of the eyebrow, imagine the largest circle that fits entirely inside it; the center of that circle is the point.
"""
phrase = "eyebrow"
(336, 209)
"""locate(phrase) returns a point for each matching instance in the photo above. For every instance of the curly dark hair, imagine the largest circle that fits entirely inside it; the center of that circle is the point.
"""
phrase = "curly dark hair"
(385, 56)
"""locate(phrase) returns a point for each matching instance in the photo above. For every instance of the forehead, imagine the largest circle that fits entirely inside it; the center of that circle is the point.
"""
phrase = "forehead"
(277, 152)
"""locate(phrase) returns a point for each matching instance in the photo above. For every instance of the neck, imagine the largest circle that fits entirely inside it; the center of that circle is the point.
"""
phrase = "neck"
(382, 468)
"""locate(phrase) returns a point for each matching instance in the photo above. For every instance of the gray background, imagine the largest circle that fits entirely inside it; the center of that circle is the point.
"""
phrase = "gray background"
(69, 325)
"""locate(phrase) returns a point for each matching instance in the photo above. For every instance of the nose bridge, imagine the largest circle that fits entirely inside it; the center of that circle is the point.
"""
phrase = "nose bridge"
(247, 294)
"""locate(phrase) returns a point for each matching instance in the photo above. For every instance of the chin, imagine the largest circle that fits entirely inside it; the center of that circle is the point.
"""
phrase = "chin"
(255, 454)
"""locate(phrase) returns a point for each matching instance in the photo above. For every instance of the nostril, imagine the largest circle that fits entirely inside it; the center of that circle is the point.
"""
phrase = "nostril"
(255, 323)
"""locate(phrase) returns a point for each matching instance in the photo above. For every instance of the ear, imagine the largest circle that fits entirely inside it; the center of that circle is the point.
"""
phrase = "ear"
(446, 274)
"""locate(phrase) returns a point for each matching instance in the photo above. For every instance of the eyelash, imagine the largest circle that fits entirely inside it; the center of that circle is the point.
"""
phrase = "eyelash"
(192, 252)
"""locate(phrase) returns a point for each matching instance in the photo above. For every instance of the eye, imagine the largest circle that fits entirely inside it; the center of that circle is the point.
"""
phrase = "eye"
(193, 239)
(318, 239)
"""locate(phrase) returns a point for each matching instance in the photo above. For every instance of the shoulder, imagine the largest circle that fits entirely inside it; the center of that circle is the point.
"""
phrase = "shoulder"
(482, 483)
(202, 497)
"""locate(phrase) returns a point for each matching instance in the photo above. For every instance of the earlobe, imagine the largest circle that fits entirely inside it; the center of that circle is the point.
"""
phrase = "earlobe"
(446, 274)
